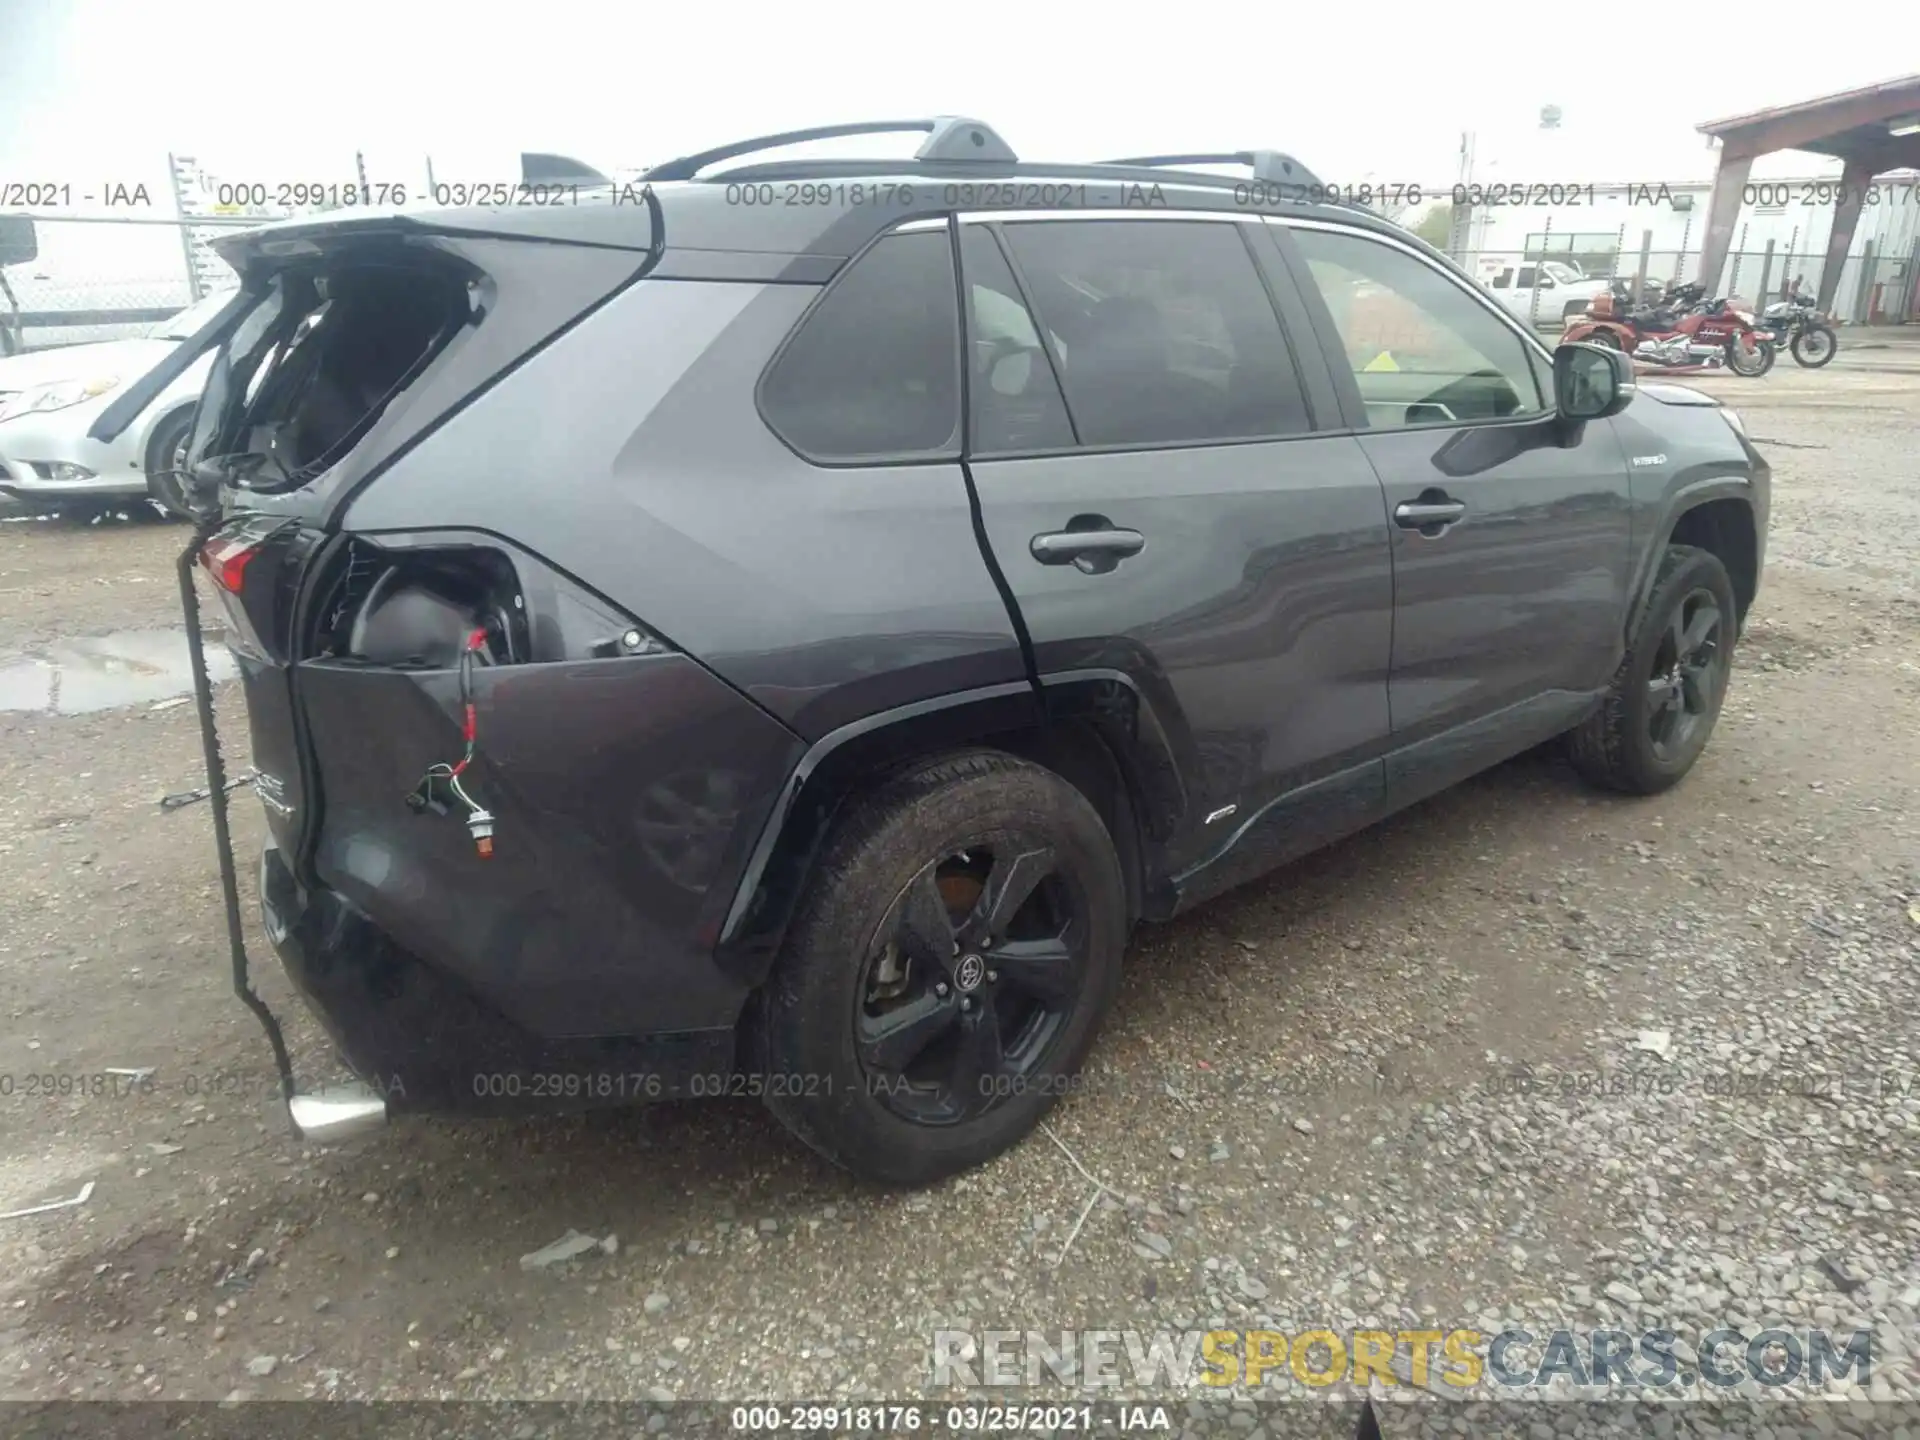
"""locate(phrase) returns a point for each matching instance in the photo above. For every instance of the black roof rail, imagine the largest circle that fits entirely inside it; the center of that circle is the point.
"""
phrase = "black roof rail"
(539, 169)
(949, 138)
(1269, 166)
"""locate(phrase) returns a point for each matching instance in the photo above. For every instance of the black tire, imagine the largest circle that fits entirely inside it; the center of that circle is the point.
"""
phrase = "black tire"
(163, 455)
(856, 932)
(1627, 743)
(1764, 355)
(1817, 341)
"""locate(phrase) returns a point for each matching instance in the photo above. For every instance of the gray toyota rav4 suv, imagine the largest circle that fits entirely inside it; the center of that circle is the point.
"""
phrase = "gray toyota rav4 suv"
(775, 628)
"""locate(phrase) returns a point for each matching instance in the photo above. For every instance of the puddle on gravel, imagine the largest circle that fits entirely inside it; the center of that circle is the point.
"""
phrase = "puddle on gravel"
(107, 672)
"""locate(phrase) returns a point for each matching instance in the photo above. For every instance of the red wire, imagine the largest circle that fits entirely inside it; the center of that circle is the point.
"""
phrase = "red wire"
(470, 731)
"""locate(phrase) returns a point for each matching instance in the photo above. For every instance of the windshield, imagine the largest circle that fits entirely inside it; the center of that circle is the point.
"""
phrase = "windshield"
(189, 321)
(1565, 274)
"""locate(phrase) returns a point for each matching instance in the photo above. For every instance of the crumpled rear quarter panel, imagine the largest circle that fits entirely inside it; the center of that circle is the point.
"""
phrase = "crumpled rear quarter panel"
(626, 794)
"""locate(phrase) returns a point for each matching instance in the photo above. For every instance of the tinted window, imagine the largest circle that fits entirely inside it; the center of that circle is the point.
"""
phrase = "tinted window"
(873, 370)
(1415, 338)
(1012, 389)
(1165, 332)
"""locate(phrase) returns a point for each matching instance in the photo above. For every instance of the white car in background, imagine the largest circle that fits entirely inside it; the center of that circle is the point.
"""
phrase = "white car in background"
(48, 399)
(1547, 294)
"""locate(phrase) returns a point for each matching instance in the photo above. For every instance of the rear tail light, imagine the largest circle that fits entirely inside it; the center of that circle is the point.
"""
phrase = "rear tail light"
(255, 563)
(226, 559)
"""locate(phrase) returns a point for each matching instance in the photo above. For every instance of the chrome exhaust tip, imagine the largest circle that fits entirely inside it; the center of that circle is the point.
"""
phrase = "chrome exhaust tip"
(339, 1112)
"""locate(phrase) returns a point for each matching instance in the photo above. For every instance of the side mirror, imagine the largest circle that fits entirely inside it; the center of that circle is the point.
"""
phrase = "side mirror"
(1591, 382)
(19, 245)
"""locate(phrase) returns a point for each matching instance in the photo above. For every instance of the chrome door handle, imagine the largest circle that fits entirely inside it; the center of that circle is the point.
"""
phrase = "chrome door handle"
(1061, 547)
(1429, 517)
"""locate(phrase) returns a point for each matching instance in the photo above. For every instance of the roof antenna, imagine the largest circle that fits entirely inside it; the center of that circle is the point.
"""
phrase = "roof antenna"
(539, 169)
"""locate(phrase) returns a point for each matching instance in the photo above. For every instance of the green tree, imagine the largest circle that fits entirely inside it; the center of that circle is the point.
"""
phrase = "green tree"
(1436, 225)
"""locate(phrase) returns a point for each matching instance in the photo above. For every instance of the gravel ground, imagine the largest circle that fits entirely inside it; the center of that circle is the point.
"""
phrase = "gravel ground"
(1526, 1053)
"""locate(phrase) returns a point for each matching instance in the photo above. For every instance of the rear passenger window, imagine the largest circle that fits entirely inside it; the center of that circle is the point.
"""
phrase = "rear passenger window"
(1163, 329)
(873, 372)
(1012, 390)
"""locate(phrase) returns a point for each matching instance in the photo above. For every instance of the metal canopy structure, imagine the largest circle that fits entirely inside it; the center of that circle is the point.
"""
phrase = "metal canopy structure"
(1871, 131)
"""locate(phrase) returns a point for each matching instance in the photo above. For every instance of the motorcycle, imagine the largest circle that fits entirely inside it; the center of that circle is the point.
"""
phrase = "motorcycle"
(1681, 334)
(1795, 325)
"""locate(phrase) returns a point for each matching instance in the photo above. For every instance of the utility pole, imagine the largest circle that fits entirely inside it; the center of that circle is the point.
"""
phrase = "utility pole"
(1460, 230)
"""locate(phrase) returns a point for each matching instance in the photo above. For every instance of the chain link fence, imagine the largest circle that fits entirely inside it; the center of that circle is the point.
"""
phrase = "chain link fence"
(103, 279)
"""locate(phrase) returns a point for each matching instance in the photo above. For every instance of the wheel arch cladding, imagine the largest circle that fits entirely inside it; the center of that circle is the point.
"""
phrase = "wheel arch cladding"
(1724, 526)
(1094, 732)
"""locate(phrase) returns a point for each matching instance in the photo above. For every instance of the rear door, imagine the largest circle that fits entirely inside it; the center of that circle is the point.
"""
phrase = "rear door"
(1146, 443)
(1511, 544)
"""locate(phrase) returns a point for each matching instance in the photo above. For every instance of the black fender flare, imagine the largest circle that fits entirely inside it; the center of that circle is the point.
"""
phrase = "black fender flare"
(1689, 496)
(840, 763)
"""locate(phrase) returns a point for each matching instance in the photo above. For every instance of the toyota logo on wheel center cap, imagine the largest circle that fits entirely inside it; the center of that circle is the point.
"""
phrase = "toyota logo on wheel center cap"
(968, 974)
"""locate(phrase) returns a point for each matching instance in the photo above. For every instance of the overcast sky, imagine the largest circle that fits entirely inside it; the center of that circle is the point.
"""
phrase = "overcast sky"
(105, 88)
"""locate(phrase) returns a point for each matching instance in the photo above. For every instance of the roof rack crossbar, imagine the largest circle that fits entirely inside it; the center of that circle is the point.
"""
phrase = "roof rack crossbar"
(1269, 166)
(949, 138)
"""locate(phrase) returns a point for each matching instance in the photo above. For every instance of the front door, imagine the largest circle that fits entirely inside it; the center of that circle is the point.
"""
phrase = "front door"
(1154, 490)
(1511, 545)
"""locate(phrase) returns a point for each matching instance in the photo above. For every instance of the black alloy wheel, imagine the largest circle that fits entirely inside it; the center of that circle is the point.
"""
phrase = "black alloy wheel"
(1664, 699)
(972, 979)
(956, 947)
(1689, 672)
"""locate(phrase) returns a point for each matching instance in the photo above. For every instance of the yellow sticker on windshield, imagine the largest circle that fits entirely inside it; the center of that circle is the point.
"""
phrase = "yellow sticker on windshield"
(1383, 361)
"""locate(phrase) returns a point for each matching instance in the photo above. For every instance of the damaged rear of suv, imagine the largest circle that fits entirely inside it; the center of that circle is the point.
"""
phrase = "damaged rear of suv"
(499, 803)
(701, 641)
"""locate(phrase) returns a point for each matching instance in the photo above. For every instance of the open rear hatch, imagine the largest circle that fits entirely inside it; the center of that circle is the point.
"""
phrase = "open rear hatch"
(351, 344)
(348, 344)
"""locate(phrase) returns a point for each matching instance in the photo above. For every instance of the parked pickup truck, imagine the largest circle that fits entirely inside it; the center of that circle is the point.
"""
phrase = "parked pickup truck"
(1547, 294)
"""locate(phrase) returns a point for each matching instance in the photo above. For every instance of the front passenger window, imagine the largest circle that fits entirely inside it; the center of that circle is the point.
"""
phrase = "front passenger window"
(1422, 348)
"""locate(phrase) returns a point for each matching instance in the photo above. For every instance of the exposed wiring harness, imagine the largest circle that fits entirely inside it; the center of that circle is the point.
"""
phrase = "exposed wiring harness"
(427, 796)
